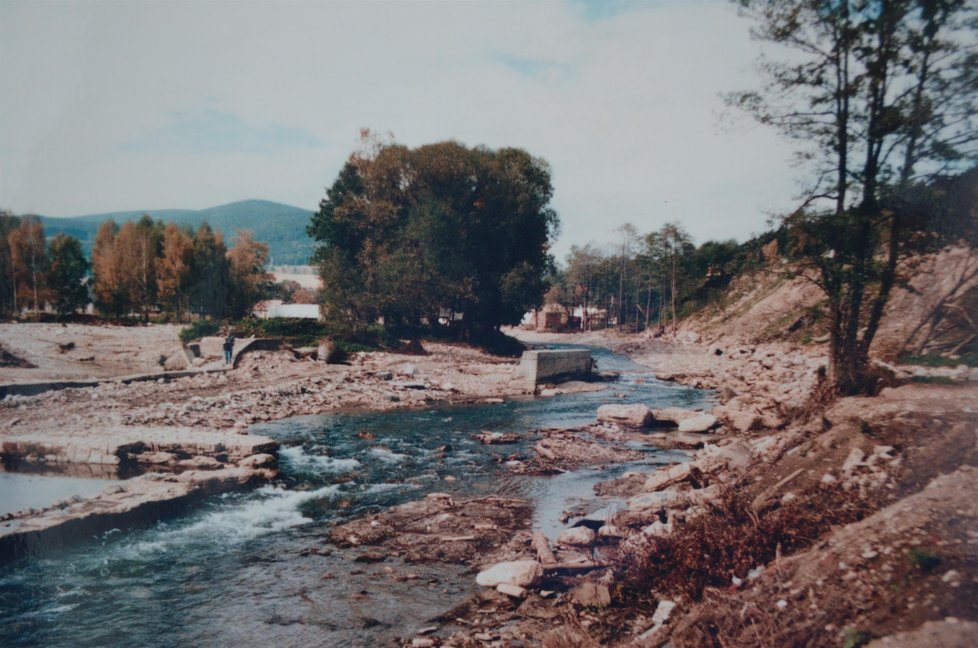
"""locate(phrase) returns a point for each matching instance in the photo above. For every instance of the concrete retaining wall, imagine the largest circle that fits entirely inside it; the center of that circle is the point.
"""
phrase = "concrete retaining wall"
(555, 365)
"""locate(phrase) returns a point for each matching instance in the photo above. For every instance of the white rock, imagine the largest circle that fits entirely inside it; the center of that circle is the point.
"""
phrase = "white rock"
(951, 575)
(665, 477)
(630, 415)
(610, 531)
(701, 423)
(657, 529)
(662, 612)
(855, 459)
(517, 572)
(511, 590)
(577, 536)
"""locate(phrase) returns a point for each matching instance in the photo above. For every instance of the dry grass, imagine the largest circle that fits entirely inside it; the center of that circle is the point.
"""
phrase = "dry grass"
(731, 539)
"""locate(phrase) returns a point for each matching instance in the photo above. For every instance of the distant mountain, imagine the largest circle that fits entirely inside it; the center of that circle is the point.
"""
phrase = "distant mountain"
(283, 227)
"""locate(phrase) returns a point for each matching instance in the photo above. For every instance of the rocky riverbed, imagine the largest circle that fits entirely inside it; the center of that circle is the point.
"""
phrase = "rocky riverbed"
(786, 507)
(871, 498)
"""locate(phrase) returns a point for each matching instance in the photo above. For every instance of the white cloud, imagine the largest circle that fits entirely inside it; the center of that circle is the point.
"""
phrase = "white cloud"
(110, 106)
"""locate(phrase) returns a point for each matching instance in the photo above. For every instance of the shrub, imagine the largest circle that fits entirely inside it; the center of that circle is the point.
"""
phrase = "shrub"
(198, 329)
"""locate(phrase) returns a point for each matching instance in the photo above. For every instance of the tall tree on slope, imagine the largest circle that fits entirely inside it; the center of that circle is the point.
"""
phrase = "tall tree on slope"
(879, 94)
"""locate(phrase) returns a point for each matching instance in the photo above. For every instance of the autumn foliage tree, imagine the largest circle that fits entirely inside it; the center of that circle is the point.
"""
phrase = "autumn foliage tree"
(143, 266)
(248, 279)
(173, 270)
(29, 261)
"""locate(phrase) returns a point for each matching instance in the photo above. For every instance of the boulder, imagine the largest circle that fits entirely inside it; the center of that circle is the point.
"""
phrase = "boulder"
(592, 595)
(666, 477)
(518, 572)
(511, 590)
(201, 462)
(176, 362)
(577, 536)
(701, 423)
(257, 461)
(329, 352)
(628, 415)
(670, 416)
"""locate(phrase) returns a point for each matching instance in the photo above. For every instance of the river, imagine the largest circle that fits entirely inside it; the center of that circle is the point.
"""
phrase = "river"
(254, 568)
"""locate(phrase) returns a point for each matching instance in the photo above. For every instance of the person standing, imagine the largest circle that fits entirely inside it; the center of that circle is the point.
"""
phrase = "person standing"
(228, 348)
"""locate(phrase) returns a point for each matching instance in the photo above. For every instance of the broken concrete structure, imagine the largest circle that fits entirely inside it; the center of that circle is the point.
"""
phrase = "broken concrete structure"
(554, 365)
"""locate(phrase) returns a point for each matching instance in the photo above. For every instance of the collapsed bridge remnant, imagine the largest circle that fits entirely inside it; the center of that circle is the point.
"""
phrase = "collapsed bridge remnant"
(554, 365)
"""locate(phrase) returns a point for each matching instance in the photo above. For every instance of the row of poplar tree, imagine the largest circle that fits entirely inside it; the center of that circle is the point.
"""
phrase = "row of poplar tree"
(136, 269)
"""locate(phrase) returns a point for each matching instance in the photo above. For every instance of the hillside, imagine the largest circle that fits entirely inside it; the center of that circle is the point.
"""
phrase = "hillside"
(283, 227)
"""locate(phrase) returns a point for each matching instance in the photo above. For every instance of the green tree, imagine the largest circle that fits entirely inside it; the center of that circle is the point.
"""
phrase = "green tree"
(406, 234)
(878, 93)
(209, 270)
(67, 276)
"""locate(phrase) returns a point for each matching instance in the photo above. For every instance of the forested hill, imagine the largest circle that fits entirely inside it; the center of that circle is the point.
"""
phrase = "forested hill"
(283, 227)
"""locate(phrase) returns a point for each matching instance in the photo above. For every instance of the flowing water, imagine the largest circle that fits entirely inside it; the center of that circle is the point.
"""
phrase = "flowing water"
(254, 568)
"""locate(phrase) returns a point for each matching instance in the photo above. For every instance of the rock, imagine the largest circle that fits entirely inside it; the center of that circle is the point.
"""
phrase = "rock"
(658, 529)
(408, 370)
(659, 618)
(665, 477)
(495, 438)
(645, 501)
(257, 461)
(511, 590)
(201, 462)
(855, 459)
(518, 572)
(627, 415)
(592, 595)
(948, 633)
(156, 458)
(176, 362)
(329, 352)
(422, 642)
(610, 531)
(673, 415)
(577, 536)
(702, 423)
(740, 420)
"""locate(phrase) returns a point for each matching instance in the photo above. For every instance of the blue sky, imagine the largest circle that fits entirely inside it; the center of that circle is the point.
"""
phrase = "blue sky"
(151, 105)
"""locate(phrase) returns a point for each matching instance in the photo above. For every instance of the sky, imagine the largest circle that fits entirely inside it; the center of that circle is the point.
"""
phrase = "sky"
(115, 106)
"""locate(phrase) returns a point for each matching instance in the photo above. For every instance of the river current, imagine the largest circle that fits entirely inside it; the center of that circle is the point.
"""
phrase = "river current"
(254, 568)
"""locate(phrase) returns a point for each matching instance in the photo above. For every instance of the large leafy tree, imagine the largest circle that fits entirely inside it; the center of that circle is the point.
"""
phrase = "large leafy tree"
(408, 234)
(67, 275)
(879, 94)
